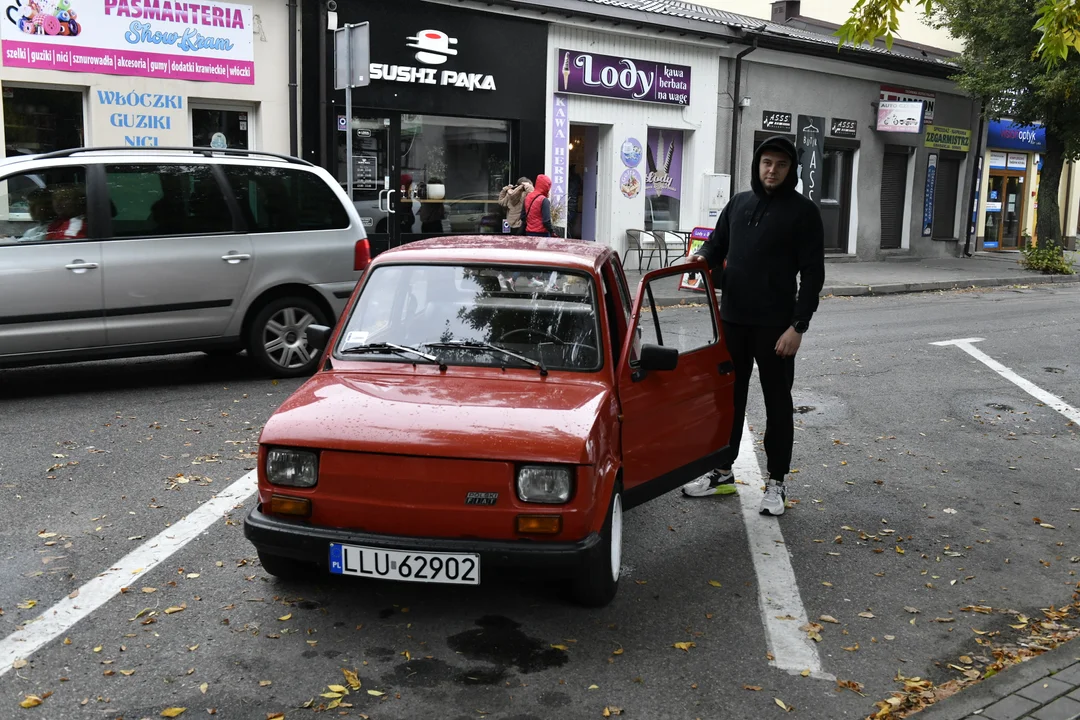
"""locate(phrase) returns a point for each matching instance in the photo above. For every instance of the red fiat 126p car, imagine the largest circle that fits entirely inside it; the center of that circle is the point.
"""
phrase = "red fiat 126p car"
(485, 402)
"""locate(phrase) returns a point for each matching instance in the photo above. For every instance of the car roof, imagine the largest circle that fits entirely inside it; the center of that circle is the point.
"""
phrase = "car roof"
(514, 250)
(127, 154)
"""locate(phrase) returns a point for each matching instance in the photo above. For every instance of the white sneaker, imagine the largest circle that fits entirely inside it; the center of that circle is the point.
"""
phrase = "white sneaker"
(775, 499)
(714, 482)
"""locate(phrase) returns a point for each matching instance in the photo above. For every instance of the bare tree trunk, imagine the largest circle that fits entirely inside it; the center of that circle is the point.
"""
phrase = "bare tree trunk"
(1048, 228)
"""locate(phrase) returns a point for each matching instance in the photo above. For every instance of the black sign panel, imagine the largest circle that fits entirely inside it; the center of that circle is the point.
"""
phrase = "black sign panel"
(774, 120)
(427, 58)
(810, 133)
(366, 172)
(843, 128)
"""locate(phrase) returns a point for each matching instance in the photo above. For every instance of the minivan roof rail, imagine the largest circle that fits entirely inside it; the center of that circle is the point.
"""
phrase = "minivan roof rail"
(208, 152)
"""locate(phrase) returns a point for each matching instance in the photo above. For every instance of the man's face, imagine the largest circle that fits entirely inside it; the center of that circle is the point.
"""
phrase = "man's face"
(773, 169)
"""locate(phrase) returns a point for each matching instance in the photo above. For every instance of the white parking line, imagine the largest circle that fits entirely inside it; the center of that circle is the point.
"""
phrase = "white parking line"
(1049, 399)
(778, 591)
(63, 615)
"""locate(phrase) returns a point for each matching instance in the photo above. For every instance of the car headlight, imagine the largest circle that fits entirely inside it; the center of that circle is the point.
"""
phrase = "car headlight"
(295, 468)
(544, 484)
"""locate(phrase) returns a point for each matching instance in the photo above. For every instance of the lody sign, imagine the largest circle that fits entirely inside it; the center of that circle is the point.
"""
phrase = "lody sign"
(584, 73)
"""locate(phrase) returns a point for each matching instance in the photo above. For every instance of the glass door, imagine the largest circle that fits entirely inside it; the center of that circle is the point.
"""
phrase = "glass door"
(1012, 213)
(994, 202)
(374, 176)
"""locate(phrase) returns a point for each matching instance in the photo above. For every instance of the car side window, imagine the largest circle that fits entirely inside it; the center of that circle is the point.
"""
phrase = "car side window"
(47, 205)
(285, 199)
(684, 327)
(157, 200)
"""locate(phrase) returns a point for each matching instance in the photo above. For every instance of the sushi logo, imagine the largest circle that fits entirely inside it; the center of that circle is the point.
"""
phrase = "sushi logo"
(434, 46)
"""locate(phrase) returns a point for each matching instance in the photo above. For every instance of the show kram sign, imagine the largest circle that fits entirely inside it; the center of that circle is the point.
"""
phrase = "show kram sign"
(166, 39)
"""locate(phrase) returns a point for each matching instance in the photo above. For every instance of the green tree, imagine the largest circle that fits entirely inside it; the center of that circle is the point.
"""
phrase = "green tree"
(1006, 64)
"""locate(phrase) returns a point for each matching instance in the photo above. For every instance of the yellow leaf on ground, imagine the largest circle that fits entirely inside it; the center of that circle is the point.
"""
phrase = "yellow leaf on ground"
(618, 651)
(204, 687)
(175, 609)
(805, 673)
(173, 712)
(782, 705)
(853, 648)
(97, 649)
(868, 615)
(26, 604)
(275, 716)
(715, 583)
(684, 646)
(339, 689)
(30, 701)
(283, 618)
(755, 688)
(19, 664)
(1047, 526)
(560, 647)
(594, 687)
(376, 693)
(351, 678)
(334, 694)
(127, 673)
(192, 576)
(266, 683)
(829, 619)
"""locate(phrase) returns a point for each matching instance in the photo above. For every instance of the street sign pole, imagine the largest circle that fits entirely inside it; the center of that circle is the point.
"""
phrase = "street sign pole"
(352, 55)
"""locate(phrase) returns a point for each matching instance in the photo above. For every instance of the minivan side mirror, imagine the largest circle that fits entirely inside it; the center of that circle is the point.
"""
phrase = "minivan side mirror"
(317, 336)
(657, 357)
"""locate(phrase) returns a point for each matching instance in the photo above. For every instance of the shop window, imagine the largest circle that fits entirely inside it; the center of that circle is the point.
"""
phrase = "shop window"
(945, 192)
(663, 179)
(47, 205)
(223, 129)
(285, 199)
(156, 200)
(40, 121)
(452, 170)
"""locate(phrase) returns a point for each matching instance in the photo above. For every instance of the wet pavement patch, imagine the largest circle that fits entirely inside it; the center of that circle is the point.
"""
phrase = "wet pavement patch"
(500, 641)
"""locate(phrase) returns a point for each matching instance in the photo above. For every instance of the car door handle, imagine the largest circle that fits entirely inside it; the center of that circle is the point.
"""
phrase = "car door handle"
(78, 266)
(235, 258)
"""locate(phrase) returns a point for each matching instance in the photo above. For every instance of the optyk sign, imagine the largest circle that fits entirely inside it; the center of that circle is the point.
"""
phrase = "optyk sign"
(615, 77)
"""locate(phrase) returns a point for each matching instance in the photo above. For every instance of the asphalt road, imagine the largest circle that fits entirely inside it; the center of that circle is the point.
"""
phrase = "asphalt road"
(894, 434)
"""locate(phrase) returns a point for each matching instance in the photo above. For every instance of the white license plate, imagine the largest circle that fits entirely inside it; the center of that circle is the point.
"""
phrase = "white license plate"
(382, 564)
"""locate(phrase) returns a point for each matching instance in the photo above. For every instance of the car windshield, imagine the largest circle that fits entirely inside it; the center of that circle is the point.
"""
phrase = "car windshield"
(545, 315)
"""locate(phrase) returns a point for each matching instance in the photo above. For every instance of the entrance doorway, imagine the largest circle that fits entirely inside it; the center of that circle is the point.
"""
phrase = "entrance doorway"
(1004, 211)
(836, 197)
(581, 182)
(417, 176)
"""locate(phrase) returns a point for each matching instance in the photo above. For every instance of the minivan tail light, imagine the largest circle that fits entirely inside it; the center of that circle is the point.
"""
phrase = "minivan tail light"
(362, 255)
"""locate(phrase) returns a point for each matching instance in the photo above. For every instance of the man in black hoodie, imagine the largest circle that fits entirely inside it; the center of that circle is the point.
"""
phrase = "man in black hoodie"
(767, 237)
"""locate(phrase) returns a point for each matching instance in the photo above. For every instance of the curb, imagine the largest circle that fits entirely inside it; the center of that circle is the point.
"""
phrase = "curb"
(897, 288)
(983, 694)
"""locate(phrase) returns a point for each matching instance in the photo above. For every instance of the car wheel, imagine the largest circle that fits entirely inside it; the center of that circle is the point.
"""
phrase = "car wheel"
(599, 579)
(276, 338)
(285, 568)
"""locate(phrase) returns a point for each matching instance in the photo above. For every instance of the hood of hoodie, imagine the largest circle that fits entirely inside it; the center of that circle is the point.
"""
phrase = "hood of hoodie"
(780, 144)
(543, 185)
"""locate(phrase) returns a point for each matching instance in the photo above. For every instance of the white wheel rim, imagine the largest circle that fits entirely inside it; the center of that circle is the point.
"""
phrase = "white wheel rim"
(284, 340)
(616, 538)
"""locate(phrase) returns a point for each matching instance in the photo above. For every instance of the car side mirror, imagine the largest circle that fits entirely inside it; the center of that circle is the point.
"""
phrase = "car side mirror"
(658, 357)
(318, 336)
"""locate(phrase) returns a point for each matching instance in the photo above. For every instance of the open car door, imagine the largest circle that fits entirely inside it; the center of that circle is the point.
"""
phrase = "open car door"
(675, 383)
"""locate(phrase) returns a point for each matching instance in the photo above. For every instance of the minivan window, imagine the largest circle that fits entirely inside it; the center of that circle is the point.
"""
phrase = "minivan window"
(285, 199)
(46, 205)
(155, 200)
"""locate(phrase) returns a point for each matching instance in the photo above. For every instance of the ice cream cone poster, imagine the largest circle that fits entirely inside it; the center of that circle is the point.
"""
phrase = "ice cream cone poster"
(663, 163)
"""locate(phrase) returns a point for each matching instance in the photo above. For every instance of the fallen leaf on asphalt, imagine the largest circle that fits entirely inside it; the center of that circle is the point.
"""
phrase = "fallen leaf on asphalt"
(610, 710)
(173, 712)
(560, 647)
(855, 687)
(684, 646)
(192, 576)
(26, 604)
(782, 705)
(949, 511)
(283, 618)
(275, 716)
(827, 584)
(899, 550)
(715, 583)
(19, 664)
(175, 609)
(339, 689)
(266, 683)
(351, 678)
(204, 687)
(594, 687)
(944, 620)
(805, 673)
(829, 619)
(149, 590)
(853, 648)
(127, 673)
(97, 649)
(375, 693)
(868, 615)
(333, 695)
(30, 701)
(1047, 526)
(754, 688)
(618, 651)
(965, 659)
(910, 609)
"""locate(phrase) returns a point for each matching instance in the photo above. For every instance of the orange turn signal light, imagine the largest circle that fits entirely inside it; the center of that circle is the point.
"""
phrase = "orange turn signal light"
(285, 505)
(539, 524)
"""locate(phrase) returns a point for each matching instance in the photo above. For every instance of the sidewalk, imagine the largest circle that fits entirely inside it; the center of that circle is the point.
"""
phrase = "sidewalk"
(1044, 688)
(898, 276)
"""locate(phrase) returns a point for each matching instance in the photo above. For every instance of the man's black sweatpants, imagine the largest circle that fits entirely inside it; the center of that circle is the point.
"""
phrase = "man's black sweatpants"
(748, 344)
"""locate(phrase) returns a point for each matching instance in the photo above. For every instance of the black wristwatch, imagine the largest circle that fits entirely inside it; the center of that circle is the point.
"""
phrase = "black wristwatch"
(800, 326)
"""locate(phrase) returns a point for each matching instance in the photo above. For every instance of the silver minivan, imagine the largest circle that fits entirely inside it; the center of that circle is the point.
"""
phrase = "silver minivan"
(112, 252)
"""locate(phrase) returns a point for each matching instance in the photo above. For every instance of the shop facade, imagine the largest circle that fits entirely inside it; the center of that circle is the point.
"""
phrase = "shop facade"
(453, 112)
(118, 73)
(631, 133)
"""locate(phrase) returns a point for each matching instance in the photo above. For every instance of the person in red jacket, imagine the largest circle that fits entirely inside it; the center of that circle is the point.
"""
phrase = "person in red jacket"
(536, 209)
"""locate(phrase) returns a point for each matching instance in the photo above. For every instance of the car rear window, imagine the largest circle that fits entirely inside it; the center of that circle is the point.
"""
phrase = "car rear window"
(285, 199)
(157, 200)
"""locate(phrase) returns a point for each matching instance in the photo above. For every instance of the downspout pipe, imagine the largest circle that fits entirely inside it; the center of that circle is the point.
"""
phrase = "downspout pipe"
(736, 110)
(294, 145)
(976, 176)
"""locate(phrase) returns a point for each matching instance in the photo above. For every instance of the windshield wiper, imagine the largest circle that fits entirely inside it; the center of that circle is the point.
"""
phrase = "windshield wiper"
(385, 347)
(478, 345)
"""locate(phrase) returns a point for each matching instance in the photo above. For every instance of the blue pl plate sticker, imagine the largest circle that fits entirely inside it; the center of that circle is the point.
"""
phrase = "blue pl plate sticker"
(336, 561)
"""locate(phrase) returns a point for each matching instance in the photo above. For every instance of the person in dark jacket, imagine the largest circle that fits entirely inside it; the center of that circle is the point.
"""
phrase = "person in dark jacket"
(767, 237)
(536, 209)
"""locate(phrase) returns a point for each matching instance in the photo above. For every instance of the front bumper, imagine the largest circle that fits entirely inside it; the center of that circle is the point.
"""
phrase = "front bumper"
(311, 544)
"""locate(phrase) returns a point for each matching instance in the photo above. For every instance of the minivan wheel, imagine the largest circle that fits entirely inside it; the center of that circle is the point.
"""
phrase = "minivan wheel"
(599, 577)
(276, 338)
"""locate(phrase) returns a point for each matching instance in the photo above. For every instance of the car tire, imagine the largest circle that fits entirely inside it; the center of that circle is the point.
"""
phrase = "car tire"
(598, 582)
(285, 568)
(276, 339)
